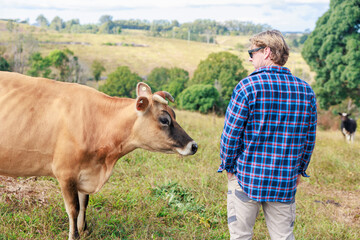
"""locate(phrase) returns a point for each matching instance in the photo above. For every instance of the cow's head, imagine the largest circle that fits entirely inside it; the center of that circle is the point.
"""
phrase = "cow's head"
(156, 128)
(344, 116)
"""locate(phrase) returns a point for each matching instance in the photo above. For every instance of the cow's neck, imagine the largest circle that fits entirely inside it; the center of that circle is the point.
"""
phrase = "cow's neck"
(111, 140)
(115, 136)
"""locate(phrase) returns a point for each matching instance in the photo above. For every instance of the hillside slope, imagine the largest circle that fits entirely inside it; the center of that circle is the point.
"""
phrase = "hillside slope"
(138, 50)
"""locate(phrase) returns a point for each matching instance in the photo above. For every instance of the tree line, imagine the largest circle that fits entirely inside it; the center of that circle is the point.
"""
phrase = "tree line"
(203, 30)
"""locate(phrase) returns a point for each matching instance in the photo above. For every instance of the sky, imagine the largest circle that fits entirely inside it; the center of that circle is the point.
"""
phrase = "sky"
(284, 15)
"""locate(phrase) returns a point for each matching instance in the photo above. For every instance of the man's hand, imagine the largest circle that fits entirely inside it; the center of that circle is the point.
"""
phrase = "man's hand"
(229, 175)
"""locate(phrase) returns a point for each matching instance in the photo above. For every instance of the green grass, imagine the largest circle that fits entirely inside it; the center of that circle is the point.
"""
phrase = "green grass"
(159, 196)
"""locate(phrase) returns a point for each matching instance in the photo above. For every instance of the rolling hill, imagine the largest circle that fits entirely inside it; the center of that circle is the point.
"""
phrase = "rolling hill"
(137, 50)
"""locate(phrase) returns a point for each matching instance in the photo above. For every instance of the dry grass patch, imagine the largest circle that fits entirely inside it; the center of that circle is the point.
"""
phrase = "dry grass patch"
(339, 206)
(26, 190)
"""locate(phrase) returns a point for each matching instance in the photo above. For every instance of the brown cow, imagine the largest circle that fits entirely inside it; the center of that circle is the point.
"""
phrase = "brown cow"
(76, 134)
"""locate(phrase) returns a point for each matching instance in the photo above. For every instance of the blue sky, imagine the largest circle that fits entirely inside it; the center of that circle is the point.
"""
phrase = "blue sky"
(284, 15)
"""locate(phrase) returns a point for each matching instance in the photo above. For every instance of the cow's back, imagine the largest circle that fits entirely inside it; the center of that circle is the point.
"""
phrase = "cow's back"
(34, 114)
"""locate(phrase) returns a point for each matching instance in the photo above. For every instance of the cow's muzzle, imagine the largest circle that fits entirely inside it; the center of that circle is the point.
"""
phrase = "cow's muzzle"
(194, 147)
(190, 149)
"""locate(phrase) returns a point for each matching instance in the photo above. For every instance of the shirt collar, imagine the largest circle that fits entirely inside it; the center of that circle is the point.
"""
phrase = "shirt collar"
(272, 69)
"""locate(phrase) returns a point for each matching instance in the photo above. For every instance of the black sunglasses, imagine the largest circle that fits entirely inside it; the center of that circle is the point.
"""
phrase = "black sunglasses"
(254, 50)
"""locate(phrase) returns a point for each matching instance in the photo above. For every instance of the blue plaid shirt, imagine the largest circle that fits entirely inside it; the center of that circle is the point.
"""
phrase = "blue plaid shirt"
(269, 133)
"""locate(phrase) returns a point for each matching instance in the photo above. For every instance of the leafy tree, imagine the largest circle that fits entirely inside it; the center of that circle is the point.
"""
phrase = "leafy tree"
(108, 27)
(333, 51)
(61, 65)
(303, 38)
(173, 80)
(60, 60)
(295, 43)
(105, 18)
(223, 70)
(97, 68)
(4, 65)
(177, 81)
(199, 97)
(39, 66)
(122, 83)
(42, 21)
(72, 25)
(158, 78)
(57, 24)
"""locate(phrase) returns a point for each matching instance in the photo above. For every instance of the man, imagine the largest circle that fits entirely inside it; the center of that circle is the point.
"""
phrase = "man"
(267, 141)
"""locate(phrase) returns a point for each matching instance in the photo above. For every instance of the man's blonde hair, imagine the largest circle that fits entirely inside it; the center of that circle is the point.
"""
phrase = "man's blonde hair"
(276, 42)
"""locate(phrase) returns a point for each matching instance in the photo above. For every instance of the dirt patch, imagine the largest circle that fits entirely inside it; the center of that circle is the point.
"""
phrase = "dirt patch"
(27, 190)
(341, 206)
(349, 212)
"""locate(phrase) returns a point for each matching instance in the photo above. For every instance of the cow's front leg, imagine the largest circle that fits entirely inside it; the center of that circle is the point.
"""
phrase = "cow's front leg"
(352, 137)
(71, 199)
(81, 221)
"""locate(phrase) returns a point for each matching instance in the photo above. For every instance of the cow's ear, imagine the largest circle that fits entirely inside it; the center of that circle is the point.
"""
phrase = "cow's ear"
(143, 90)
(142, 104)
(340, 114)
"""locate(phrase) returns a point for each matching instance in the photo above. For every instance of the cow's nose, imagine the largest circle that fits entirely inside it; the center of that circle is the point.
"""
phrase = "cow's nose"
(194, 148)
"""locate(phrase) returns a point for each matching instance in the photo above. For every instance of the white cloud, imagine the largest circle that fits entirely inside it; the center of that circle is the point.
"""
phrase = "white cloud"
(144, 3)
(285, 15)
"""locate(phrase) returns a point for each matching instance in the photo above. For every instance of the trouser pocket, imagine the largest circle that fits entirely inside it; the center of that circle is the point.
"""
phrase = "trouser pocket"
(231, 213)
(242, 212)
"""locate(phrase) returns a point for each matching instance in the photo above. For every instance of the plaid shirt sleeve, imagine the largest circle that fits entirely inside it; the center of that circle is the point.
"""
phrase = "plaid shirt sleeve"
(231, 139)
(310, 140)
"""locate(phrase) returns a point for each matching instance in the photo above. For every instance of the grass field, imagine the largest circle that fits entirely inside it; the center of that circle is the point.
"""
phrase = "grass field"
(159, 196)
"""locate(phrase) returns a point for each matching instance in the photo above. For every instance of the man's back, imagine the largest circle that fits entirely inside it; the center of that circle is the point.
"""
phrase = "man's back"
(272, 114)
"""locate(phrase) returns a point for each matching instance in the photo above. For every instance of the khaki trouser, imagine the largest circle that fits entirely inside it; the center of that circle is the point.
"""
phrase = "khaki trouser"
(242, 213)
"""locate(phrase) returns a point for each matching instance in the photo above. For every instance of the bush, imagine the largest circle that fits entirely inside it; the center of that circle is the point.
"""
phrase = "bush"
(158, 78)
(222, 69)
(199, 97)
(173, 80)
(121, 83)
(4, 65)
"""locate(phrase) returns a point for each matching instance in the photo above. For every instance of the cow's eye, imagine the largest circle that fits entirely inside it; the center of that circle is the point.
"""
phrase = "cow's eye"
(165, 120)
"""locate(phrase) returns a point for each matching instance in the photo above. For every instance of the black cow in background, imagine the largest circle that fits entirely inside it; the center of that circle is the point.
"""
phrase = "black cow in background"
(348, 127)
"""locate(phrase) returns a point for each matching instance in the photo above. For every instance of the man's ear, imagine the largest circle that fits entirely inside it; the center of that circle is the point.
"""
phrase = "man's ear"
(142, 104)
(267, 53)
(143, 90)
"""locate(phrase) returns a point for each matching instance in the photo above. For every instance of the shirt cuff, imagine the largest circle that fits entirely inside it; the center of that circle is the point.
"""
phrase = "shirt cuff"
(221, 169)
(303, 173)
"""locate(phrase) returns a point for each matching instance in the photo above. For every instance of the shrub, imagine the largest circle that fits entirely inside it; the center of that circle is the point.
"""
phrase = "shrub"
(121, 83)
(199, 97)
(4, 65)
(222, 69)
